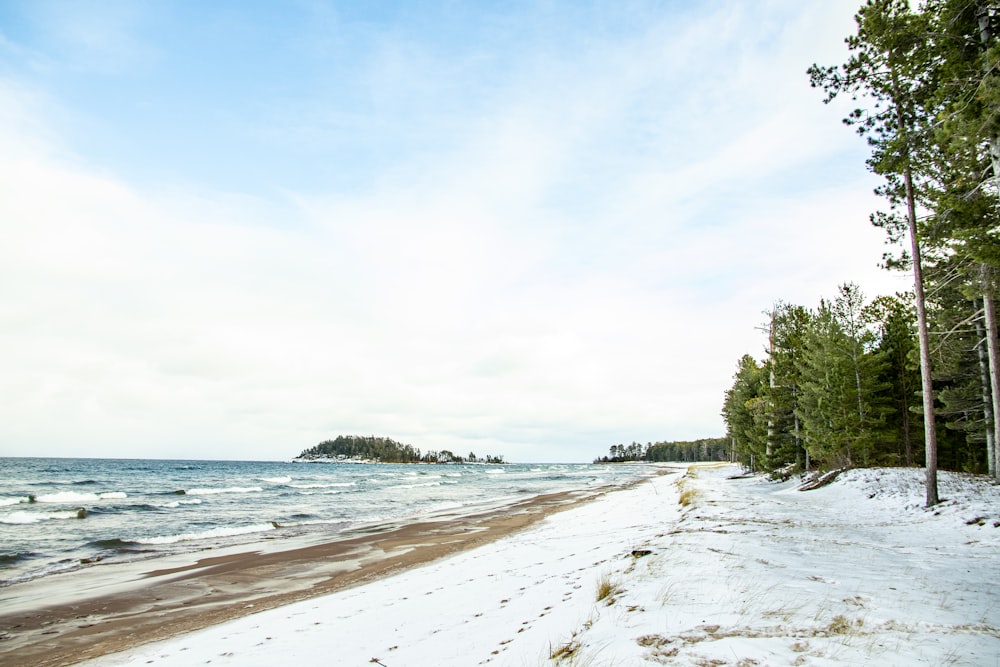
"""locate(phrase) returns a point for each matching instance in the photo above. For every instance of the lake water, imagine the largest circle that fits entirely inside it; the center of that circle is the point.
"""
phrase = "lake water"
(58, 515)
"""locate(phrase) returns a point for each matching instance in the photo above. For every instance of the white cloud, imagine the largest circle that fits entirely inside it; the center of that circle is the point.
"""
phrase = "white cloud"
(580, 264)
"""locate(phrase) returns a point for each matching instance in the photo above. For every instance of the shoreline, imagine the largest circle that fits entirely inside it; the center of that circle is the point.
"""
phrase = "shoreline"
(133, 604)
(744, 571)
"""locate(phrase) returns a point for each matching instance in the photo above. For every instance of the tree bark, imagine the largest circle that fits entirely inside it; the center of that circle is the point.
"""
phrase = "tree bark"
(993, 350)
(988, 306)
(989, 397)
(769, 448)
(926, 380)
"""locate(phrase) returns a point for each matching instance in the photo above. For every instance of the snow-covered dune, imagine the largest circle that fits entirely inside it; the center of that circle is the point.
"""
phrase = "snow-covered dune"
(744, 572)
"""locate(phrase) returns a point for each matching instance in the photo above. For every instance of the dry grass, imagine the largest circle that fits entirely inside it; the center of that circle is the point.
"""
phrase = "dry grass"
(687, 497)
(841, 625)
(607, 589)
(565, 652)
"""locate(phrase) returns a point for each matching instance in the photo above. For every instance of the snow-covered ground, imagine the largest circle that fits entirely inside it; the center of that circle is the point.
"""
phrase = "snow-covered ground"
(746, 572)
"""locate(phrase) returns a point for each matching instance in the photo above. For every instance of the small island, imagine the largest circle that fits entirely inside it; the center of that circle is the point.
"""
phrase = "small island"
(374, 449)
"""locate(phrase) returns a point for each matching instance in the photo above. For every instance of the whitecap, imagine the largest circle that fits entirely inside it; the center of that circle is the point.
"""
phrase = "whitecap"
(230, 489)
(275, 480)
(23, 518)
(414, 486)
(67, 497)
(177, 503)
(207, 534)
(322, 486)
(14, 501)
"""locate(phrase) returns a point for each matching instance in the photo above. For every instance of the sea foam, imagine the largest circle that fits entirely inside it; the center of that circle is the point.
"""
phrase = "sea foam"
(207, 534)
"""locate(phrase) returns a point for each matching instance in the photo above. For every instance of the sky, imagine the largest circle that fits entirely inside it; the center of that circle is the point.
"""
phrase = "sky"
(231, 230)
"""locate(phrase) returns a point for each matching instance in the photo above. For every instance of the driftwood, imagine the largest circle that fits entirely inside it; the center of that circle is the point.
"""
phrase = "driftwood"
(820, 480)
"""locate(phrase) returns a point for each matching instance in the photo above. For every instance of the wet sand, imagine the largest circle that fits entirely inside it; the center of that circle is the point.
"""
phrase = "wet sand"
(63, 621)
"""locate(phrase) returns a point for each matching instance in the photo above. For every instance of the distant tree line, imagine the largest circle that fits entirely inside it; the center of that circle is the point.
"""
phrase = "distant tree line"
(706, 449)
(385, 450)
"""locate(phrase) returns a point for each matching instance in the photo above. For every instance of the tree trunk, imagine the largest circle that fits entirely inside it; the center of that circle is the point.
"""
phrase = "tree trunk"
(993, 350)
(769, 449)
(988, 306)
(986, 39)
(989, 397)
(926, 382)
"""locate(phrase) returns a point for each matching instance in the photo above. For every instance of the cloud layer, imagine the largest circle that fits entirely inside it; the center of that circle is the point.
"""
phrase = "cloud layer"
(541, 243)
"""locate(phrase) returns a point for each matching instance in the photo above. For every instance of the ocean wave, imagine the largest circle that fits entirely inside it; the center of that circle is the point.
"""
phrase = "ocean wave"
(75, 497)
(322, 486)
(24, 518)
(314, 522)
(177, 503)
(64, 565)
(113, 543)
(11, 558)
(495, 471)
(123, 509)
(14, 501)
(229, 489)
(275, 480)
(207, 534)
(413, 486)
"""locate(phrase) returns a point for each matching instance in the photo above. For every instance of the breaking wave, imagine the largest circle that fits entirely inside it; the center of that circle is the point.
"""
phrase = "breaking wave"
(228, 489)
(75, 497)
(207, 534)
(275, 480)
(24, 518)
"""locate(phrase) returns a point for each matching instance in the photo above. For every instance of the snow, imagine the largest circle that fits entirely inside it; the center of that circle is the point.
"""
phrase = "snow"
(748, 572)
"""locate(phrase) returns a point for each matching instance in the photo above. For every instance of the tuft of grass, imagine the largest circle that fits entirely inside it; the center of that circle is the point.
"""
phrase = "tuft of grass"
(565, 652)
(841, 625)
(607, 589)
(687, 497)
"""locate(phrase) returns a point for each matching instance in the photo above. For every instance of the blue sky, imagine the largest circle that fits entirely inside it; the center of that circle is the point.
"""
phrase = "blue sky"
(539, 229)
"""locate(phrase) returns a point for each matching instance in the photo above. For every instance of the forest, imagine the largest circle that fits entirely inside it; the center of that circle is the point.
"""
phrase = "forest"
(384, 450)
(908, 379)
(706, 449)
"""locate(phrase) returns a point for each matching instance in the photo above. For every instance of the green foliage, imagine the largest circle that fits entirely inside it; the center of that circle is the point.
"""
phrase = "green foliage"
(370, 448)
(745, 413)
(926, 78)
(384, 450)
(833, 385)
(690, 451)
(706, 449)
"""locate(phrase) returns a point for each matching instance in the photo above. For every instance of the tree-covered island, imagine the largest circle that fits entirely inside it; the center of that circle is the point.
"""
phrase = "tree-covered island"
(373, 449)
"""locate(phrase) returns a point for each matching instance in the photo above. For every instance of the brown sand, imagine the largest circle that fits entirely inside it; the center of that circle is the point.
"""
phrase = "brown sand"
(163, 603)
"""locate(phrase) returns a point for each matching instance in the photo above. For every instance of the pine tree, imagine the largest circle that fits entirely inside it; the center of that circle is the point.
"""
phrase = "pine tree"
(889, 68)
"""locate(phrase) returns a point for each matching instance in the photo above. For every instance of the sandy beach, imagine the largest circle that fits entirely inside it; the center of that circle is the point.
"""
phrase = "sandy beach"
(64, 619)
(744, 572)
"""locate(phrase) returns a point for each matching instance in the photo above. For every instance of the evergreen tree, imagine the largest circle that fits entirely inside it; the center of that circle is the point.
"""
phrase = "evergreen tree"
(890, 68)
(745, 413)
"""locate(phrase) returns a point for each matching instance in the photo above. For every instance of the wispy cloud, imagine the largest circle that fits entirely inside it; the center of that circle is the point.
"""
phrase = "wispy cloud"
(536, 251)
